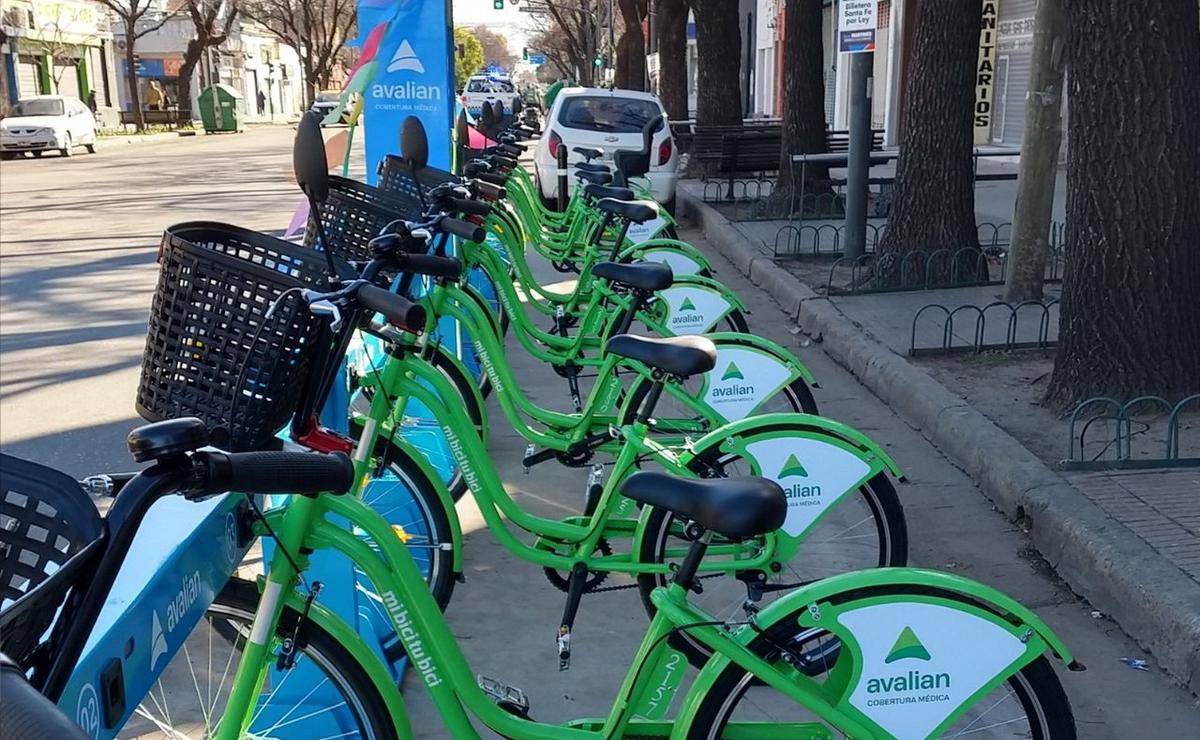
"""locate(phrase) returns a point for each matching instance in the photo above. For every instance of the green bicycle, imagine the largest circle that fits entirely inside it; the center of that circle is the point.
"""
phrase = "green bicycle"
(923, 654)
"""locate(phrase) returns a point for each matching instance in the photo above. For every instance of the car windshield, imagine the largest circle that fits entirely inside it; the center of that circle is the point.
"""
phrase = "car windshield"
(477, 86)
(38, 107)
(613, 115)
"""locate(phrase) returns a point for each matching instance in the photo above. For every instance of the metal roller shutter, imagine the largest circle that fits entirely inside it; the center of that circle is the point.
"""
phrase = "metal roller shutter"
(1015, 44)
(68, 80)
(27, 77)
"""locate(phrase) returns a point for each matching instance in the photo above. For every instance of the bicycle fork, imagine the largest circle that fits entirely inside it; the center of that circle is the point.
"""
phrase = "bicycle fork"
(257, 656)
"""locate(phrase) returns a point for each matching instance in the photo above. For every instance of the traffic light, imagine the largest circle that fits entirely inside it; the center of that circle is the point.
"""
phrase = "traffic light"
(598, 61)
(498, 4)
(525, 53)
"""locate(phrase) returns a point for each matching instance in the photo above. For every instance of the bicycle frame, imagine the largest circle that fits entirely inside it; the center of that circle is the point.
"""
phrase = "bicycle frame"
(436, 657)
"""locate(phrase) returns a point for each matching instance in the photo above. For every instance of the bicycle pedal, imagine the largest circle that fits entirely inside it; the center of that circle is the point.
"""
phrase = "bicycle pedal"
(564, 649)
(529, 450)
(510, 698)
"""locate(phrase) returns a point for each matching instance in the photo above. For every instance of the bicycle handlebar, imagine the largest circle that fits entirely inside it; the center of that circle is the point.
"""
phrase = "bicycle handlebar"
(397, 309)
(274, 472)
(467, 231)
(487, 190)
(468, 207)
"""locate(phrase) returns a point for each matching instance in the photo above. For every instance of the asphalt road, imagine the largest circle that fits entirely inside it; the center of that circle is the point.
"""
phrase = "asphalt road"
(77, 245)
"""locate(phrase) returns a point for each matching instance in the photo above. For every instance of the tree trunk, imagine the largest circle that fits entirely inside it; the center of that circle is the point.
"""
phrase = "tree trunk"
(1026, 270)
(135, 101)
(803, 93)
(1130, 319)
(183, 88)
(631, 50)
(933, 206)
(719, 49)
(671, 29)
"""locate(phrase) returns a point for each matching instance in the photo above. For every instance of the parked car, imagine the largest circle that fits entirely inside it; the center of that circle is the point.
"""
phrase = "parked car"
(481, 88)
(607, 120)
(45, 122)
(327, 100)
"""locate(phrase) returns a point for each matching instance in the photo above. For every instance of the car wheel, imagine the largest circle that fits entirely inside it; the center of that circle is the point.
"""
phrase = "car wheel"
(8, 155)
(66, 151)
(37, 152)
(91, 148)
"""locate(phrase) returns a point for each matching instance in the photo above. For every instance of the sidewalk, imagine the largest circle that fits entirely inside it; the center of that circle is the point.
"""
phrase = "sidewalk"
(1128, 541)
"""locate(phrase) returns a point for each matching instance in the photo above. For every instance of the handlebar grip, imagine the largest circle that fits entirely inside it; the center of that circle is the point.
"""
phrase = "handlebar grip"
(492, 179)
(504, 161)
(509, 150)
(487, 190)
(397, 309)
(468, 207)
(467, 231)
(277, 472)
(431, 265)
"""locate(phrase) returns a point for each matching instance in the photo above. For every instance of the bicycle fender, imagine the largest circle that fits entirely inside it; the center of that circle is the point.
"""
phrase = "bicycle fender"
(766, 345)
(808, 422)
(366, 657)
(447, 502)
(451, 359)
(995, 601)
(714, 285)
(662, 249)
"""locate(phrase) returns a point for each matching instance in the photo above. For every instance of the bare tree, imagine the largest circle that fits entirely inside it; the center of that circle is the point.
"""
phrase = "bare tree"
(138, 18)
(718, 47)
(576, 26)
(495, 47)
(631, 49)
(204, 15)
(671, 28)
(316, 29)
(803, 94)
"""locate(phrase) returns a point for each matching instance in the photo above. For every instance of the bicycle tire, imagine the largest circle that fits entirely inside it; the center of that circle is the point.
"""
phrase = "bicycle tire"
(880, 497)
(231, 615)
(1036, 687)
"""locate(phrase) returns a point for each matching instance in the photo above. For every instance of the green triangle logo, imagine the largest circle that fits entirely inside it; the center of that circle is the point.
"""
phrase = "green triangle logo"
(907, 646)
(687, 305)
(732, 372)
(793, 467)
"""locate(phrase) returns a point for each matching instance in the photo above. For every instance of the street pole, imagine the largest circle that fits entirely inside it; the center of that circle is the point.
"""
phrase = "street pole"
(859, 166)
(612, 51)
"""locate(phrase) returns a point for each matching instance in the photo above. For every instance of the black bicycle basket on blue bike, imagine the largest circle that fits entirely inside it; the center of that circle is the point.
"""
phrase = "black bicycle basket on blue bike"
(212, 350)
(353, 214)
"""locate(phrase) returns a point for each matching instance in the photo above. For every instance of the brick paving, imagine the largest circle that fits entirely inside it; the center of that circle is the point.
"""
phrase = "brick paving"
(1160, 506)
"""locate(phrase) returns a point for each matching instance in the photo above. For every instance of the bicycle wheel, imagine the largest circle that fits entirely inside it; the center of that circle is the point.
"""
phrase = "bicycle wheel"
(1031, 704)
(865, 529)
(326, 694)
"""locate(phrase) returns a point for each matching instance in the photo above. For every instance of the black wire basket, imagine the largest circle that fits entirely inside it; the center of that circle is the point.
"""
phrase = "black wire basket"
(48, 527)
(353, 214)
(396, 178)
(212, 351)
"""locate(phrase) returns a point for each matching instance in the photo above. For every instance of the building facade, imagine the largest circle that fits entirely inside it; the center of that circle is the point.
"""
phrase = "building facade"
(60, 47)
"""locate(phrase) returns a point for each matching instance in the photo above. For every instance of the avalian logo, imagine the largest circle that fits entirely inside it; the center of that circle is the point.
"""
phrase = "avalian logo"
(792, 468)
(158, 641)
(907, 646)
(732, 372)
(687, 305)
(405, 59)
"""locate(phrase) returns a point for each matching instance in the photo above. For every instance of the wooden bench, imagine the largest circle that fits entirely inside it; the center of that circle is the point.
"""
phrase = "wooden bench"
(170, 117)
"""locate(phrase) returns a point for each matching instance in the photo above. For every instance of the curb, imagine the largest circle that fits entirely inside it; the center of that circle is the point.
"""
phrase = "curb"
(1153, 601)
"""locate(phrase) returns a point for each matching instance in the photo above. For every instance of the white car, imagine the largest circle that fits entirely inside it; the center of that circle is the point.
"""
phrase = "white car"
(481, 88)
(606, 120)
(47, 122)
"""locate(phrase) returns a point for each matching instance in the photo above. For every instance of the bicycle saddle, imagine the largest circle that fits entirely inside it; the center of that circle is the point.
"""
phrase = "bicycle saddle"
(587, 152)
(636, 211)
(596, 178)
(733, 507)
(601, 190)
(682, 356)
(591, 167)
(640, 275)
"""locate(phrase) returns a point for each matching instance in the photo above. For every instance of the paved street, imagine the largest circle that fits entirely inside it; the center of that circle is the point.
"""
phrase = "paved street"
(77, 245)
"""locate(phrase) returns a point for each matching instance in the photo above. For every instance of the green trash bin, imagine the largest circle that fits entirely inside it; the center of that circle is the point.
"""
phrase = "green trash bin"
(228, 113)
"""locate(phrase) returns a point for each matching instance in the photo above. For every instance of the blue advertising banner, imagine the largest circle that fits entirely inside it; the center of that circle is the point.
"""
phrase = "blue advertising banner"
(414, 77)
